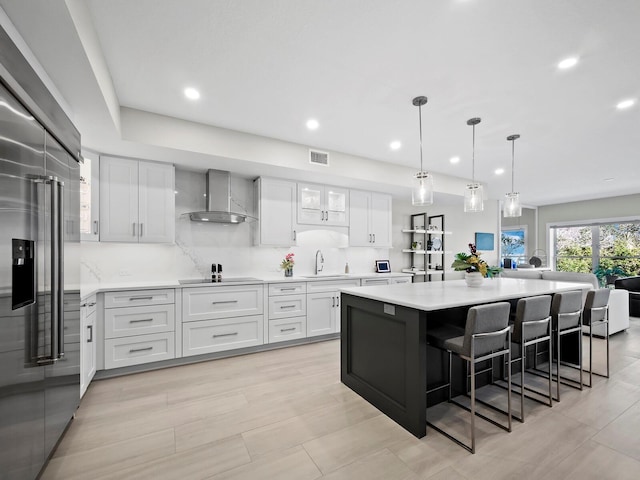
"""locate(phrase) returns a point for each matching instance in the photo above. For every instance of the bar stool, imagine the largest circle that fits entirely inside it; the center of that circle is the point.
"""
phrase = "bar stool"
(596, 313)
(487, 335)
(532, 326)
(566, 310)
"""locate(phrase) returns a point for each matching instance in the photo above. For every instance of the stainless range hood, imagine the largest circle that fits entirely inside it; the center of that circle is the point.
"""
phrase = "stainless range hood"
(218, 201)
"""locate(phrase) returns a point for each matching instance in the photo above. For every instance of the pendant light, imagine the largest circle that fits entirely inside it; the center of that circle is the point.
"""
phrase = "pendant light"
(473, 194)
(422, 183)
(512, 207)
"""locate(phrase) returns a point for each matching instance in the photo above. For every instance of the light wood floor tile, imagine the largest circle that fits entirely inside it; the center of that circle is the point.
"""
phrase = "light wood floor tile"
(448, 473)
(381, 465)
(429, 455)
(292, 464)
(302, 428)
(593, 461)
(340, 448)
(622, 434)
(97, 461)
(197, 464)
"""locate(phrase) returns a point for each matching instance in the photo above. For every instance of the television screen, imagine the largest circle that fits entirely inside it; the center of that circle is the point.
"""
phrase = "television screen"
(484, 241)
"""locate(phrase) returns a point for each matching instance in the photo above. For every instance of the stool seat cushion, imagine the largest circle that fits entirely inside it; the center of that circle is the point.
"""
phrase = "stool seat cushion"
(437, 336)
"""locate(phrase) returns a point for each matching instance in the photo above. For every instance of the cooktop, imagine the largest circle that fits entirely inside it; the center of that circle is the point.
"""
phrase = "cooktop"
(224, 280)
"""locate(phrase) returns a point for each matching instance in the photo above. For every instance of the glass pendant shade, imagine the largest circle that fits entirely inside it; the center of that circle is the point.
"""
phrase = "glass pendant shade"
(422, 189)
(512, 207)
(422, 182)
(474, 198)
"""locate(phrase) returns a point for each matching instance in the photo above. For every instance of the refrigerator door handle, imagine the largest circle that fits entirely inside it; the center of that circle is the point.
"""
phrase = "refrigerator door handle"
(58, 253)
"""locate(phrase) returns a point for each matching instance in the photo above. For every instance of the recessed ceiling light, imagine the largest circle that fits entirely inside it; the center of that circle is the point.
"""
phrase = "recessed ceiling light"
(312, 124)
(454, 160)
(395, 145)
(499, 171)
(624, 104)
(568, 63)
(191, 93)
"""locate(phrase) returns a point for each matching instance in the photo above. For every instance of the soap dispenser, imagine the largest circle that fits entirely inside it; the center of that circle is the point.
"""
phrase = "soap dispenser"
(346, 267)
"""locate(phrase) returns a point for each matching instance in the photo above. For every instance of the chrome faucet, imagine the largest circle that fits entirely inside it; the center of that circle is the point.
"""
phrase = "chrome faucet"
(319, 268)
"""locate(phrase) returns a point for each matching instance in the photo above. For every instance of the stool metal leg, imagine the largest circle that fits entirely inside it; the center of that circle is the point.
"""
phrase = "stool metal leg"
(473, 403)
(523, 357)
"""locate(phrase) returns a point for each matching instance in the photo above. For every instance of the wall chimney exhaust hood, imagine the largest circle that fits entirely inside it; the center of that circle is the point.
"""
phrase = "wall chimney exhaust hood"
(219, 201)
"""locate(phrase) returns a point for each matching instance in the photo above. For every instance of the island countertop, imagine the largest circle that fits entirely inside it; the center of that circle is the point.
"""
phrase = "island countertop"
(429, 296)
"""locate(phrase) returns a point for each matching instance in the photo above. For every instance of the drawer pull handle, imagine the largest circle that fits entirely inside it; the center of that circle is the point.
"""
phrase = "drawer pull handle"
(146, 349)
(225, 335)
(90, 339)
(225, 301)
(140, 298)
(92, 304)
(288, 329)
(287, 306)
(141, 320)
(288, 289)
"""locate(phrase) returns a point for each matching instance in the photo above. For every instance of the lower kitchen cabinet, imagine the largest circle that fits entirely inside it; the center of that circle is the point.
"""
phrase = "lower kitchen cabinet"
(139, 349)
(208, 336)
(88, 317)
(285, 329)
(323, 313)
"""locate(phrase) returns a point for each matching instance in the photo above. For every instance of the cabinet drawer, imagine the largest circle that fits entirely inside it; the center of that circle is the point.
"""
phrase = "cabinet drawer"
(126, 322)
(332, 285)
(123, 352)
(287, 306)
(287, 288)
(401, 280)
(132, 298)
(207, 336)
(221, 302)
(375, 281)
(287, 329)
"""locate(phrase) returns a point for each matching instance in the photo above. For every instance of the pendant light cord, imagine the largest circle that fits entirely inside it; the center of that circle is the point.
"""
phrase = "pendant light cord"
(420, 117)
(513, 148)
(473, 155)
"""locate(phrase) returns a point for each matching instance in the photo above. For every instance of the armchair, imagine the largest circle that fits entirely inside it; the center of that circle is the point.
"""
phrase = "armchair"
(632, 284)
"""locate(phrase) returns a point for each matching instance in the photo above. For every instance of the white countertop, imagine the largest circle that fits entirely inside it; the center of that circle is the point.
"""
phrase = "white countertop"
(270, 278)
(430, 296)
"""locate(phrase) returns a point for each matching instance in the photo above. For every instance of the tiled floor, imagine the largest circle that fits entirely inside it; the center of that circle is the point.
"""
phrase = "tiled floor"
(285, 414)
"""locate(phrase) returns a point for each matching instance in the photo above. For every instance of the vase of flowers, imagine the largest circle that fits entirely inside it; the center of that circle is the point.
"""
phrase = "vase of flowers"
(474, 267)
(287, 264)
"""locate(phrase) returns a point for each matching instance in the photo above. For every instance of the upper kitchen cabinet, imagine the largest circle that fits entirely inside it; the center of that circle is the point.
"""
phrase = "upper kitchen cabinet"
(137, 201)
(370, 214)
(276, 207)
(323, 205)
(90, 198)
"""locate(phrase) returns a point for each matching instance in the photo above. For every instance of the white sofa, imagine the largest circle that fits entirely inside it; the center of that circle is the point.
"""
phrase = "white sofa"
(618, 301)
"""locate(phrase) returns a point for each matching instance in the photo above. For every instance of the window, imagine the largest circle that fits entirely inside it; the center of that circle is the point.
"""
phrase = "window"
(585, 248)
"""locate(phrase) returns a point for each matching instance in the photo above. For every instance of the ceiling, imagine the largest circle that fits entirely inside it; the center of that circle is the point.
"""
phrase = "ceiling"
(266, 66)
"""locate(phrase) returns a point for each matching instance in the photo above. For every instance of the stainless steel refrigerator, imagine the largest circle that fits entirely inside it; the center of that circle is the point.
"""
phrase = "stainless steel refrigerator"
(39, 290)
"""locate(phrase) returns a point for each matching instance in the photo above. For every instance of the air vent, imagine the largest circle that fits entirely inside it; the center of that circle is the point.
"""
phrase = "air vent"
(318, 158)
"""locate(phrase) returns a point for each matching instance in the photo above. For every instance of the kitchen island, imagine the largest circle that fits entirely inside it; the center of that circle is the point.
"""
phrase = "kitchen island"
(384, 355)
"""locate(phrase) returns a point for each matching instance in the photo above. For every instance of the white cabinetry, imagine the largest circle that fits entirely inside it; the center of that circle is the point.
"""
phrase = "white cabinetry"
(370, 219)
(287, 311)
(87, 343)
(323, 305)
(323, 205)
(90, 197)
(139, 327)
(137, 201)
(216, 319)
(385, 281)
(276, 207)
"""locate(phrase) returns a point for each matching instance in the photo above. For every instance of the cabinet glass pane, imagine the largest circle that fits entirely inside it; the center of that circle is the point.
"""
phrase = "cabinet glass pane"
(311, 199)
(336, 202)
(85, 197)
